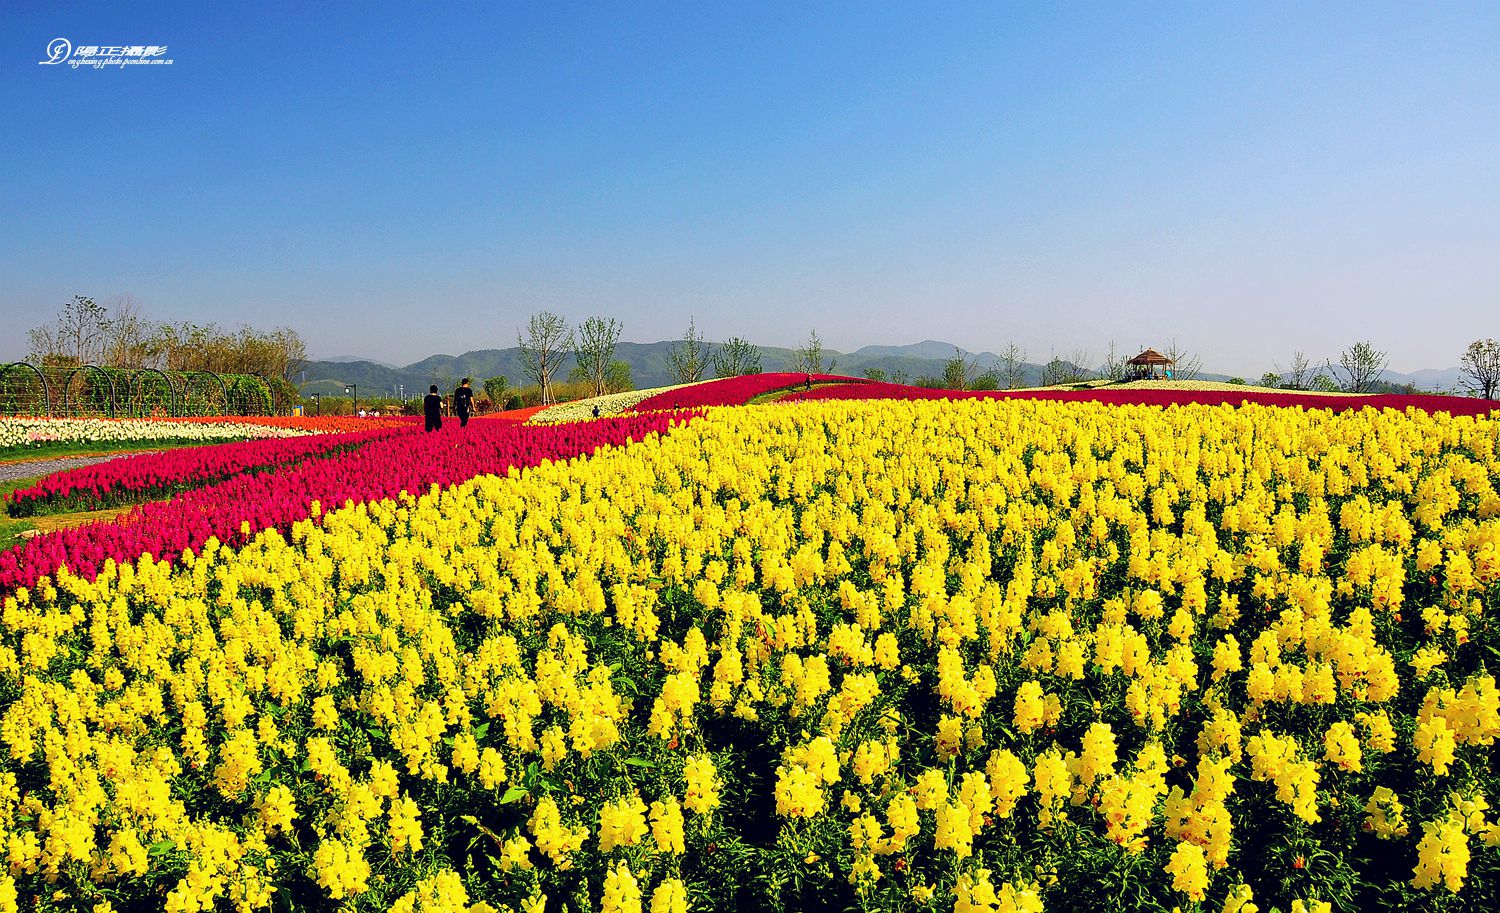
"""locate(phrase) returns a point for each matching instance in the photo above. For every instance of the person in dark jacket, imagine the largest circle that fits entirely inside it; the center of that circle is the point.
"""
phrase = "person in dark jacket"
(432, 407)
(463, 401)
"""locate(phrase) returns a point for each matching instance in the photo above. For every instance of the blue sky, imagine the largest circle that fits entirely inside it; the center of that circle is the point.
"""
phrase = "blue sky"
(1251, 179)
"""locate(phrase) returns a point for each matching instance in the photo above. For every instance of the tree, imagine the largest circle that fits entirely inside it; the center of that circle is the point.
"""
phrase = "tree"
(1056, 371)
(958, 370)
(495, 388)
(875, 374)
(1187, 365)
(1065, 370)
(1322, 384)
(808, 357)
(1358, 368)
(1296, 373)
(1114, 366)
(688, 359)
(986, 381)
(736, 356)
(900, 377)
(1270, 379)
(1481, 367)
(1011, 370)
(617, 378)
(77, 337)
(125, 337)
(543, 348)
(596, 349)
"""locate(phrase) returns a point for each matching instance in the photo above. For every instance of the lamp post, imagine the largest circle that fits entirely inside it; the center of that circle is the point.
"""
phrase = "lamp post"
(353, 391)
(317, 399)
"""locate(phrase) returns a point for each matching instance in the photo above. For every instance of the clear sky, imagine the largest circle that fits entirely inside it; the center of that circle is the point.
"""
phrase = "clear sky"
(393, 182)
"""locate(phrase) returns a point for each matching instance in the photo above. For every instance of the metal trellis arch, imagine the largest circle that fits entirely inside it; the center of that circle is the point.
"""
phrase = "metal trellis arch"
(46, 389)
(135, 390)
(67, 391)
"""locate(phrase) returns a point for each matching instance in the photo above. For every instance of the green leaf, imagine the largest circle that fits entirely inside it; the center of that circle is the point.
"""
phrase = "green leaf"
(638, 762)
(514, 794)
(161, 847)
(481, 730)
(265, 776)
(468, 819)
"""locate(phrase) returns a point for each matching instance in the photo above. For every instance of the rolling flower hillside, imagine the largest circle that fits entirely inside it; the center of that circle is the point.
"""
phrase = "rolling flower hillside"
(234, 510)
(985, 654)
(1456, 405)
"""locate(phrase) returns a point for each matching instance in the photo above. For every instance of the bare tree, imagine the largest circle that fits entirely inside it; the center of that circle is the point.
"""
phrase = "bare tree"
(1011, 371)
(1481, 367)
(736, 356)
(1060, 370)
(688, 359)
(1114, 366)
(125, 334)
(595, 349)
(808, 357)
(1358, 368)
(1296, 376)
(289, 352)
(77, 337)
(1187, 365)
(543, 348)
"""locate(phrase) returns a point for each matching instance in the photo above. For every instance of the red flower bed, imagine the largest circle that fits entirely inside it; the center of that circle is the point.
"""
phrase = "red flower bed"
(1456, 405)
(734, 391)
(514, 415)
(152, 475)
(275, 500)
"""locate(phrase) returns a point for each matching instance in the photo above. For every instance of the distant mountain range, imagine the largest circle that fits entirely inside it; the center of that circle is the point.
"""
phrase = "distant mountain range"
(649, 368)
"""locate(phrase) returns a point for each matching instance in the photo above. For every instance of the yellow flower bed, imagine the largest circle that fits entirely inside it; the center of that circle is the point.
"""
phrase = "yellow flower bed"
(974, 656)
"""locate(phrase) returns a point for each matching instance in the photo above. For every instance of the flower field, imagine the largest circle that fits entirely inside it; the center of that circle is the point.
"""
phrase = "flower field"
(20, 433)
(230, 512)
(733, 391)
(156, 475)
(982, 655)
(1146, 396)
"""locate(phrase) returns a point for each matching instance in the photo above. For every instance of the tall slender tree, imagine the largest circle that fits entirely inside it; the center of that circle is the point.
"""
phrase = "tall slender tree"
(1011, 371)
(808, 357)
(543, 348)
(689, 358)
(595, 349)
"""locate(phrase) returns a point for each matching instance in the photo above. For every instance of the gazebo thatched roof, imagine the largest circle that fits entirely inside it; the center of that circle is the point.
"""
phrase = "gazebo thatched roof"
(1151, 357)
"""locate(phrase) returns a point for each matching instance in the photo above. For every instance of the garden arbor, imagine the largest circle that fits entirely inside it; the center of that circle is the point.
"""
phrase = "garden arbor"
(1146, 365)
(88, 390)
(24, 390)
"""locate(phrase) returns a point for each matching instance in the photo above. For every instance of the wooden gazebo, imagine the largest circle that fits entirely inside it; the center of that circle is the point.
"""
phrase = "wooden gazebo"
(1144, 366)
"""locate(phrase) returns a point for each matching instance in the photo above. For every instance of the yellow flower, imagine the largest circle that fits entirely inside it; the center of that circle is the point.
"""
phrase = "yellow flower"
(1189, 870)
(1442, 855)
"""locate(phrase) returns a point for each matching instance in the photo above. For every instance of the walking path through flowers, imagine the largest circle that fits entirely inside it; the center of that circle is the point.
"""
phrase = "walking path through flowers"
(32, 469)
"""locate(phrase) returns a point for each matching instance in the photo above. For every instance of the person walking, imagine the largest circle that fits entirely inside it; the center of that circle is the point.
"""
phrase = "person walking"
(432, 407)
(463, 401)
